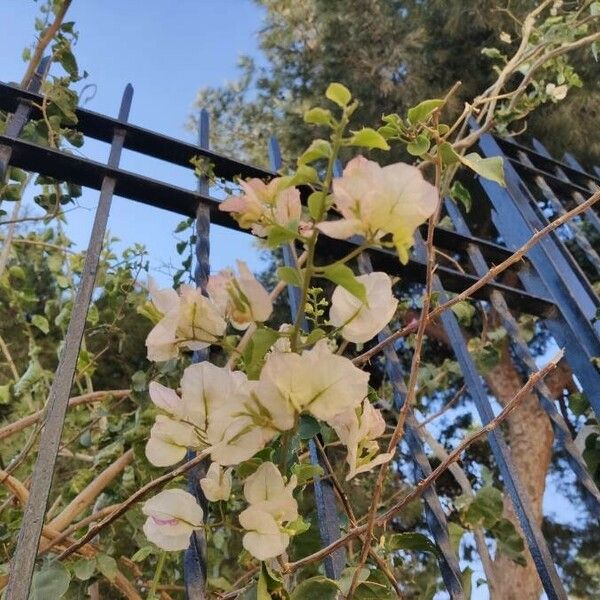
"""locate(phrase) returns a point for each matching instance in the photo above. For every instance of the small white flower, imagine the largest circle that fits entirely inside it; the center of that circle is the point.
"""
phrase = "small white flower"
(191, 321)
(217, 483)
(375, 201)
(316, 381)
(271, 507)
(506, 37)
(172, 517)
(358, 430)
(557, 92)
(240, 298)
(169, 441)
(361, 322)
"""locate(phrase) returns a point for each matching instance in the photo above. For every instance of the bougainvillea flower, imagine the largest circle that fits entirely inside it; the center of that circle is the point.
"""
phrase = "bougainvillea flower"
(217, 483)
(271, 507)
(169, 441)
(316, 381)
(358, 430)
(192, 321)
(220, 405)
(375, 201)
(359, 322)
(172, 517)
(261, 205)
(240, 298)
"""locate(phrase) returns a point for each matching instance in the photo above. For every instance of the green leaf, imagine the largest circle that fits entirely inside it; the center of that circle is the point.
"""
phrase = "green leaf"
(316, 588)
(455, 531)
(11, 192)
(464, 311)
(419, 146)
(578, 403)
(345, 580)
(466, 576)
(491, 168)
(269, 582)
(297, 526)
(316, 204)
(50, 583)
(372, 590)
(458, 192)
(317, 116)
(143, 553)
(183, 225)
(411, 540)
(342, 275)
(84, 568)
(279, 235)
(254, 354)
(510, 543)
(368, 138)
(338, 93)
(41, 323)
(306, 472)
(305, 175)
(314, 336)
(447, 153)
(107, 565)
(290, 275)
(420, 112)
(486, 508)
(309, 427)
(318, 149)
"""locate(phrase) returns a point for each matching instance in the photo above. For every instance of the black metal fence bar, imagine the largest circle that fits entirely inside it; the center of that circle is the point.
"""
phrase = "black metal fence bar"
(589, 215)
(88, 173)
(574, 225)
(195, 562)
(434, 512)
(22, 112)
(325, 501)
(544, 161)
(561, 430)
(180, 153)
(553, 271)
(33, 518)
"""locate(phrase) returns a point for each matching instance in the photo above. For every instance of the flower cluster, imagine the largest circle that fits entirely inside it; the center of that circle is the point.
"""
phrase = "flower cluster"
(241, 413)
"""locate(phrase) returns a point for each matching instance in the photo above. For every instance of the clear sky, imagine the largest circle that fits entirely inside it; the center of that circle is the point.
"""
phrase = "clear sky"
(167, 51)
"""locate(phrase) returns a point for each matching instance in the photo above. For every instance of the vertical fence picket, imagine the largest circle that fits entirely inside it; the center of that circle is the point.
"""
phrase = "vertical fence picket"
(195, 558)
(518, 495)
(327, 513)
(436, 518)
(550, 270)
(561, 430)
(33, 518)
(19, 118)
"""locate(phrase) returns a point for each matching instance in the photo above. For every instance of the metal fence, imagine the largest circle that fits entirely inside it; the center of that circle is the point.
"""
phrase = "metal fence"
(550, 285)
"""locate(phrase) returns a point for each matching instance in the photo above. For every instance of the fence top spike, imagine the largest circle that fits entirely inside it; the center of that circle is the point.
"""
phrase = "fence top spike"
(126, 102)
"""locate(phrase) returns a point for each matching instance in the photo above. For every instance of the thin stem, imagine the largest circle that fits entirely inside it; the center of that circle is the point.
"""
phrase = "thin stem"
(157, 574)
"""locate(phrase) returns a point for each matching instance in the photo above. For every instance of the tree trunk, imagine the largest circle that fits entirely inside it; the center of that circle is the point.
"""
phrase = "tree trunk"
(530, 437)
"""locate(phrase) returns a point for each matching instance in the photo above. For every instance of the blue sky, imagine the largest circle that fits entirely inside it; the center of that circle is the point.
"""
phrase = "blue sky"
(167, 51)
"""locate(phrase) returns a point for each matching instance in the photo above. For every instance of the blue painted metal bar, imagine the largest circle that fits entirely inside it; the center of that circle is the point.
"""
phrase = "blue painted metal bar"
(518, 495)
(434, 512)
(195, 557)
(24, 558)
(552, 271)
(561, 430)
(327, 513)
(589, 215)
